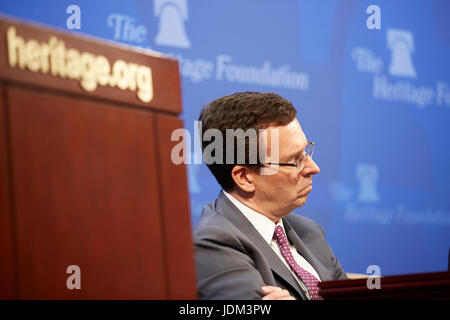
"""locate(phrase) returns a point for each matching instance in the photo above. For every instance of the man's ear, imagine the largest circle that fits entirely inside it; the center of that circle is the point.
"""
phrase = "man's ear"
(243, 178)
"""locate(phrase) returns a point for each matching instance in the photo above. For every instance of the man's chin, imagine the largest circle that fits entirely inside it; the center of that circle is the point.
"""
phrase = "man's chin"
(301, 200)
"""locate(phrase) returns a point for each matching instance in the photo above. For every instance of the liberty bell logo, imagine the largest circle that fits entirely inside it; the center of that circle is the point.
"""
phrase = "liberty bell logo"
(401, 44)
(172, 14)
(367, 175)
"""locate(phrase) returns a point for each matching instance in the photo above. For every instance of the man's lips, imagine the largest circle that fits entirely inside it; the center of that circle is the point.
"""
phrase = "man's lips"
(306, 189)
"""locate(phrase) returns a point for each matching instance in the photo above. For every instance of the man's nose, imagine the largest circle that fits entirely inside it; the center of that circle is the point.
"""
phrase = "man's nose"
(310, 167)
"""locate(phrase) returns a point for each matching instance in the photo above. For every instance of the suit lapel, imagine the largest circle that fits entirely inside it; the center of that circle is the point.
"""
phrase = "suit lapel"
(233, 214)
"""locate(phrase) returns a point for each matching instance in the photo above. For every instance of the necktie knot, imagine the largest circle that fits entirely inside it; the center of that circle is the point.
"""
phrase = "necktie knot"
(280, 236)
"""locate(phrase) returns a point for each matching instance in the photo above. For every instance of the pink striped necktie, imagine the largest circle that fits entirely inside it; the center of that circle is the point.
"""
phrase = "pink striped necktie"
(309, 280)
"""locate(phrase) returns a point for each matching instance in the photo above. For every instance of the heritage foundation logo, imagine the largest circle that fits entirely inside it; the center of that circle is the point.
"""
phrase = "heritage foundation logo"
(401, 44)
(367, 175)
(400, 85)
(172, 14)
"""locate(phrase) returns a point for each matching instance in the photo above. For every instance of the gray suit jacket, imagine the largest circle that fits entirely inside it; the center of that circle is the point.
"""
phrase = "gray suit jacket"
(233, 261)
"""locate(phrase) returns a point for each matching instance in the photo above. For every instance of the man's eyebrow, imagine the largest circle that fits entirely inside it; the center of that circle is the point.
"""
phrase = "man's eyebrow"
(296, 154)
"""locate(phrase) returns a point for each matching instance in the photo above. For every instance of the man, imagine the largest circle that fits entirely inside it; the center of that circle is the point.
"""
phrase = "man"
(247, 244)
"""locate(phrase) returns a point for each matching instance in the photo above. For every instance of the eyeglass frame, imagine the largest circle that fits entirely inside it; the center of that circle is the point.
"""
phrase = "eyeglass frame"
(310, 153)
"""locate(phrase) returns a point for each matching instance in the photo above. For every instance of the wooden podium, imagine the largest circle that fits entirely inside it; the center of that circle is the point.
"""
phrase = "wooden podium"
(422, 286)
(86, 177)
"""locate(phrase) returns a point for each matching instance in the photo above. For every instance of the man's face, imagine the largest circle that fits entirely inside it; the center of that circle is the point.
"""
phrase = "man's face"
(280, 193)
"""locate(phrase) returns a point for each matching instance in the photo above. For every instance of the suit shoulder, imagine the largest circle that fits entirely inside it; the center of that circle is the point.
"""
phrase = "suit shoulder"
(214, 227)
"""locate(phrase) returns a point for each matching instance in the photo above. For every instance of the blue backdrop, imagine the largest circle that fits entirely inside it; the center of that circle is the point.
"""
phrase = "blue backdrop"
(375, 100)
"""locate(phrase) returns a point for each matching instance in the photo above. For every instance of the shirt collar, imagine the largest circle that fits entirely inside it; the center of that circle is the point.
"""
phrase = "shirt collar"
(262, 224)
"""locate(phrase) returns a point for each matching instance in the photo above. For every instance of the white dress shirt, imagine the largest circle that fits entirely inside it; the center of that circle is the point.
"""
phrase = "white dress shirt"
(266, 228)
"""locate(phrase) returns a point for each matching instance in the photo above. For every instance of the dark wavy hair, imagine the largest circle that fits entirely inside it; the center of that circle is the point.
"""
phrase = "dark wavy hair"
(242, 110)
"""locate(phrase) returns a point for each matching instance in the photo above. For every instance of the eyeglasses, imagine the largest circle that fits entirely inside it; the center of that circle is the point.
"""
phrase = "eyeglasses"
(300, 162)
